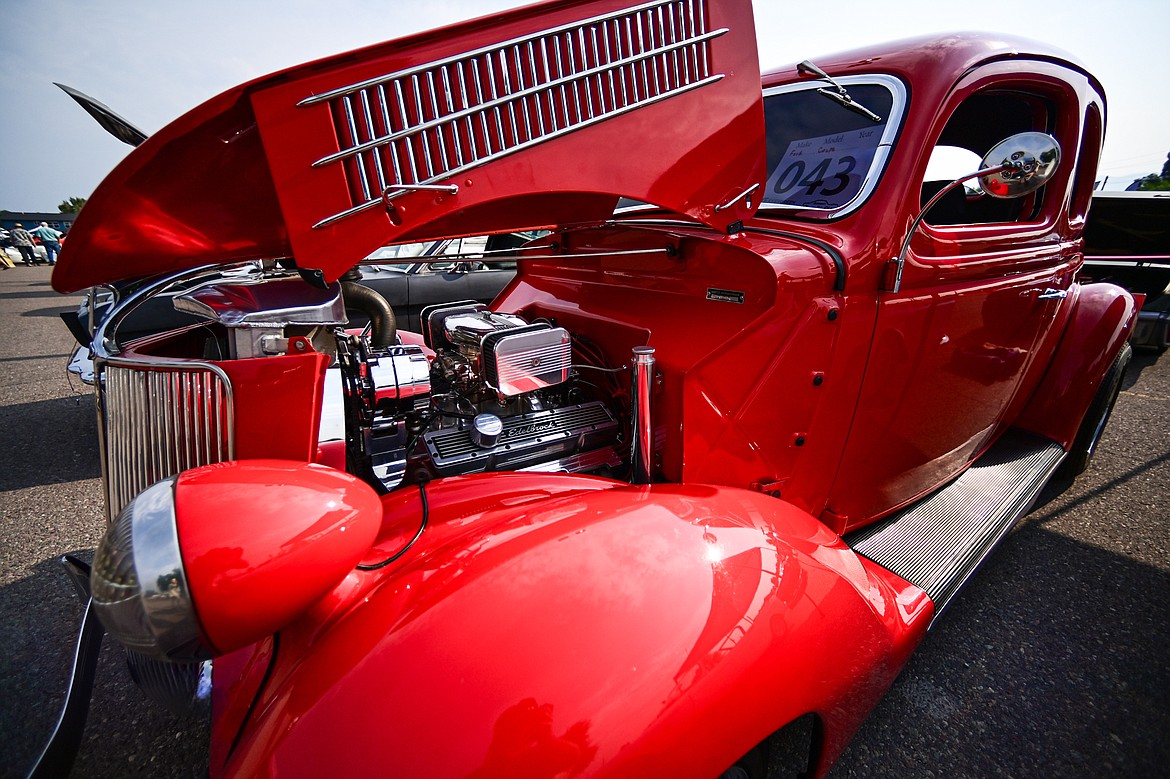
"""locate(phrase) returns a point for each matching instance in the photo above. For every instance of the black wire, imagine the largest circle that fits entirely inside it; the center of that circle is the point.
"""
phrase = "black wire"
(423, 430)
(256, 697)
(422, 493)
(451, 415)
(599, 368)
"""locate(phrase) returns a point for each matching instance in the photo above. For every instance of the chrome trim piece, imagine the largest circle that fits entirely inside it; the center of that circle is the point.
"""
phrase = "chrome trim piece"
(610, 64)
(265, 303)
(526, 359)
(521, 254)
(158, 418)
(642, 423)
(899, 262)
(450, 189)
(746, 193)
(162, 578)
(139, 583)
(399, 374)
(105, 342)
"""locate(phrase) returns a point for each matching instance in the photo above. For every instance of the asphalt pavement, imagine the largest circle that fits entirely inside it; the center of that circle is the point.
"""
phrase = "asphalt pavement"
(1054, 661)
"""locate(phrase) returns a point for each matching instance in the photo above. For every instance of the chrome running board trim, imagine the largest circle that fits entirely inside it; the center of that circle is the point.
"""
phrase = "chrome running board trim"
(938, 542)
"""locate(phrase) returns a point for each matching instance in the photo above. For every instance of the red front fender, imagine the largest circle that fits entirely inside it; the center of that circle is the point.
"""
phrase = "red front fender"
(549, 625)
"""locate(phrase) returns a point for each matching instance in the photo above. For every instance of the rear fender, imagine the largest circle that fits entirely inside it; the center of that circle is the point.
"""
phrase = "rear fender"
(659, 630)
(1103, 317)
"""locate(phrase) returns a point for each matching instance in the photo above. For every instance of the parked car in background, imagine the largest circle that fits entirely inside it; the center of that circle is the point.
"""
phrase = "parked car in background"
(17, 258)
(1127, 242)
(413, 276)
(685, 497)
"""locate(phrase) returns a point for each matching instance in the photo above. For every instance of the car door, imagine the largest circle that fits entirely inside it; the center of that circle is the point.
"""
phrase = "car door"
(953, 350)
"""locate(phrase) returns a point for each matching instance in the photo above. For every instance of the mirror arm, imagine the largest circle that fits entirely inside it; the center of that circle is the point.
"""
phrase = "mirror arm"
(900, 260)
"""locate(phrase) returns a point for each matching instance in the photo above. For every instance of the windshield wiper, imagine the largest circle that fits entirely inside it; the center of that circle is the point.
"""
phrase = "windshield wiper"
(840, 95)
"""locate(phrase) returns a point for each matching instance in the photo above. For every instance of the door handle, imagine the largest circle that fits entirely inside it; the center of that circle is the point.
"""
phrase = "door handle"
(1052, 294)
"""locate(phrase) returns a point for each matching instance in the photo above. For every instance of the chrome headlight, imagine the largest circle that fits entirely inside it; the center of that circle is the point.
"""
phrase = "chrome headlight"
(254, 542)
(140, 589)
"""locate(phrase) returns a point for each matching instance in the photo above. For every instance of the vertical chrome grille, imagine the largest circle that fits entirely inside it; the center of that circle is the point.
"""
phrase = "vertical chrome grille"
(427, 123)
(159, 419)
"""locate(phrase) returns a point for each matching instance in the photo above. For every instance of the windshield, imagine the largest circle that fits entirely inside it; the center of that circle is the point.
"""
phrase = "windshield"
(822, 155)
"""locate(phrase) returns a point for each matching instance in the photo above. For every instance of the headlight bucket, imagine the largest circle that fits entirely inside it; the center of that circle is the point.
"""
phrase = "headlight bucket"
(252, 543)
(139, 584)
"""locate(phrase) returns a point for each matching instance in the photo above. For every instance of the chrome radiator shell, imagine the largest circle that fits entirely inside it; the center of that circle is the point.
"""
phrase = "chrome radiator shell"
(157, 418)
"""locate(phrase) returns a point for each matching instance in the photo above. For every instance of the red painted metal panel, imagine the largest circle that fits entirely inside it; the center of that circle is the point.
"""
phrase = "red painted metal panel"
(725, 363)
(557, 99)
(520, 624)
(237, 678)
(538, 102)
(252, 562)
(1102, 319)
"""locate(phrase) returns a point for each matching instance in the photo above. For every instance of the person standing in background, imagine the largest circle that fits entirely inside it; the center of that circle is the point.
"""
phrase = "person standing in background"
(50, 239)
(23, 242)
(5, 260)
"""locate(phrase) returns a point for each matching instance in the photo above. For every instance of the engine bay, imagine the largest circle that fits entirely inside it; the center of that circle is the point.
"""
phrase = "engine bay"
(479, 391)
(486, 392)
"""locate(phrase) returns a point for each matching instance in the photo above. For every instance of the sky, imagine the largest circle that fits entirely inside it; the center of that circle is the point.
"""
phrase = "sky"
(151, 61)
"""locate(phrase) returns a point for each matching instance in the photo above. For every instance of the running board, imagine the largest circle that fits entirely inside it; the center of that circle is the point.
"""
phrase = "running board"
(938, 542)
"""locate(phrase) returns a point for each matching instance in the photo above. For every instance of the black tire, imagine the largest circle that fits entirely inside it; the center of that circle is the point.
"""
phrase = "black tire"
(786, 754)
(1097, 416)
(753, 765)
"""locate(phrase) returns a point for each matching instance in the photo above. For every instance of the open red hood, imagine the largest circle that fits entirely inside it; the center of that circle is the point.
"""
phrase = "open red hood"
(530, 118)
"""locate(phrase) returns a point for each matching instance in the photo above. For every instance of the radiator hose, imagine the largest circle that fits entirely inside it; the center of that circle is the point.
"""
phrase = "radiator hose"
(383, 326)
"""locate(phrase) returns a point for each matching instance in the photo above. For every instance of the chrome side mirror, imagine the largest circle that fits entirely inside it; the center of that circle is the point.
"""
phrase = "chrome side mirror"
(1013, 168)
(1019, 165)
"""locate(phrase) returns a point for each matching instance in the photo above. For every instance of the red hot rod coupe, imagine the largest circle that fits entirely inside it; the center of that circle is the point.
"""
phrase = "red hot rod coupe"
(684, 498)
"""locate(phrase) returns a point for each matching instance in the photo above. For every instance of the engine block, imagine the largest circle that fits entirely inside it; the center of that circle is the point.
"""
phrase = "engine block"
(524, 440)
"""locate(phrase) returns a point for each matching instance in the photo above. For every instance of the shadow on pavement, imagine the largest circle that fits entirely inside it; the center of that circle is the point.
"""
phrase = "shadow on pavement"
(50, 313)
(49, 442)
(1142, 359)
(1069, 657)
(66, 302)
(126, 734)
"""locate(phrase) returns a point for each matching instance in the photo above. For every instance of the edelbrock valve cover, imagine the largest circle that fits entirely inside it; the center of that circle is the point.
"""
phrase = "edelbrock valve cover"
(524, 440)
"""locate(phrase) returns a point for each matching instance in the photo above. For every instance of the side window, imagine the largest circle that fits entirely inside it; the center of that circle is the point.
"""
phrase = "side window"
(980, 122)
(497, 254)
(1085, 183)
